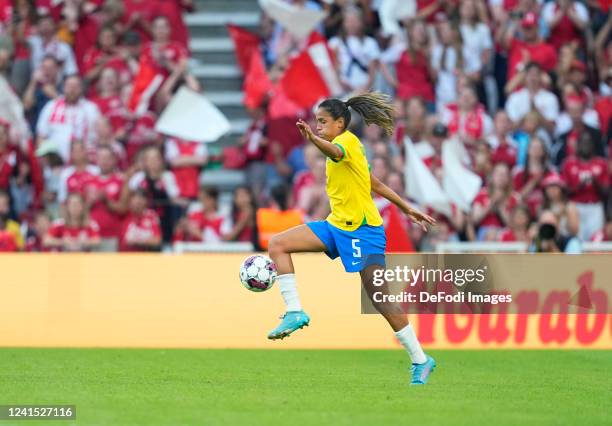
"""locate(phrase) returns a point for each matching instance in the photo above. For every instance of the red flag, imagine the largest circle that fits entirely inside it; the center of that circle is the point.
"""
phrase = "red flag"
(398, 240)
(281, 106)
(245, 44)
(257, 84)
(146, 83)
(311, 76)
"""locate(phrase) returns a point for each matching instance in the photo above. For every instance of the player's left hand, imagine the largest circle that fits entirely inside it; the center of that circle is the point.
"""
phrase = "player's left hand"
(420, 218)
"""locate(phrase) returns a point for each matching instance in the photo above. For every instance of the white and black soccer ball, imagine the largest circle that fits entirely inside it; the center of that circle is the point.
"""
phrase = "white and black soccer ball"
(257, 273)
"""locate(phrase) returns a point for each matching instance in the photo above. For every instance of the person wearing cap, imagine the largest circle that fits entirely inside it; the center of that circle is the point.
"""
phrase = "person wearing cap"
(530, 48)
(556, 200)
(566, 20)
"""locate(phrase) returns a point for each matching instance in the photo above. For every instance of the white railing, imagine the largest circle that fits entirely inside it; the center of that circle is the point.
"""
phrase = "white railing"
(518, 247)
(221, 247)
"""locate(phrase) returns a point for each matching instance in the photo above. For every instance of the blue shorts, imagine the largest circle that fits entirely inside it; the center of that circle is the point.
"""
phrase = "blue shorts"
(358, 249)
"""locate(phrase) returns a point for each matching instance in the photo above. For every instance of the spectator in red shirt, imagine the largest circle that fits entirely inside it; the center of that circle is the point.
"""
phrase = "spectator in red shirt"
(530, 49)
(104, 199)
(566, 20)
(76, 177)
(76, 231)
(518, 230)
(186, 159)
(141, 230)
(106, 139)
(527, 180)
(504, 146)
(244, 227)
(493, 204)
(105, 55)
(173, 10)
(203, 221)
(556, 201)
(468, 119)
(137, 16)
(587, 179)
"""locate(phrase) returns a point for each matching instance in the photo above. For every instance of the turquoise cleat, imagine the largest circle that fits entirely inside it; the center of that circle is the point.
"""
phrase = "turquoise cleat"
(421, 372)
(291, 322)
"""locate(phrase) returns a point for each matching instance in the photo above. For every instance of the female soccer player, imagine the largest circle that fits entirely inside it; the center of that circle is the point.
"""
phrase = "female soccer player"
(353, 230)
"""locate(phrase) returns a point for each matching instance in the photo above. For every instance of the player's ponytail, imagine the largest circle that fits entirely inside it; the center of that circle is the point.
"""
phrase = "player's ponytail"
(374, 108)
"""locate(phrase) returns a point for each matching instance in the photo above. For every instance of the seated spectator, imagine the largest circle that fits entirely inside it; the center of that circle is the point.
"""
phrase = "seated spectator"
(528, 180)
(67, 118)
(75, 231)
(111, 103)
(37, 232)
(44, 86)
(556, 201)
(161, 188)
(530, 129)
(566, 21)
(203, 222)
(587, 179)
(277, 217)
(186, 159)
(45, 42)
(8, 243)
(174, 10)
(105, 55)
(78, 175)
(10, 225)
(142, 135)
(414, 76)
(566, 145)
(533, 95)
(141, 230)
(576, 101)
(103, 195)
(357, 53)
(243, 217)
(482, 164)
(548, 239)
(493, 204)
(502, 142)
(467, 119)
(518, 229)
(51, 166)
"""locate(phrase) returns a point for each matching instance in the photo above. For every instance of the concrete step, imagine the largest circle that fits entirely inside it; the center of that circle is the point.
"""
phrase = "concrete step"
(230, 103)
(214, 31)
(218, 77)
(227, 5)
(206, 18)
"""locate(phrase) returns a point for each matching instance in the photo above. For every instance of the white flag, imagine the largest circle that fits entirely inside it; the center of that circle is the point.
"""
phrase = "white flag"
(392, 11)
(297, 20)
(421, 184)
(460, 184)
(191, 116)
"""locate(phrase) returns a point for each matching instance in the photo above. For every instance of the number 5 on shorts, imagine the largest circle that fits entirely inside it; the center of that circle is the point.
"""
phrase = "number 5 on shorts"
(356, 248)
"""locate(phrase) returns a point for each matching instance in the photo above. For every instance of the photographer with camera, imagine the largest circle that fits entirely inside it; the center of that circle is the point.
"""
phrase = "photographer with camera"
(549, 239)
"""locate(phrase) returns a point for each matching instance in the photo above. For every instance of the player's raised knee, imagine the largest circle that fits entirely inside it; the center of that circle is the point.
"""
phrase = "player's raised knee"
(277, 245)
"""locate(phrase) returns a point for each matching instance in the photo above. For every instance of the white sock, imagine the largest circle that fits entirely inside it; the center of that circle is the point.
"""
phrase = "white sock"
(409, 341)
(288, 289)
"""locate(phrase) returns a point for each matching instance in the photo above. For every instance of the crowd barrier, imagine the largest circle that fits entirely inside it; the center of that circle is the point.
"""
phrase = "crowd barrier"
(197, 301)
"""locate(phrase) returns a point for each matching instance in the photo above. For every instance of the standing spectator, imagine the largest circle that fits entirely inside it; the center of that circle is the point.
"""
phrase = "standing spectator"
(533, 96)
(502, 142)
(493, 204)
(104, 198)
(556, 201)
(566, 21)
(173, 10)
(518, 229)
(413, 72)
(530, 49)
(528, 179)
(477, 42)
(10, 225)
(160, 186)
(68, 118)
(137, 16)
(578, 100)
(186, 159)
(21, 20)
(468, 119)
(587, 180)
(566, 145)
(44, 86)
(447, 57)
(76, 177)
(357, 53)
(76, 231)
(141, 230)
(45, 42)
(243, 217)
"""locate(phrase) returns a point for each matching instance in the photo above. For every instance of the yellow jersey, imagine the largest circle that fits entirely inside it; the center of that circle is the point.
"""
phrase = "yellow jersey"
(348, 186)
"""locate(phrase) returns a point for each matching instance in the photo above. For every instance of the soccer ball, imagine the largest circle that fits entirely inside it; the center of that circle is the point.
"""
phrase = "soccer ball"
(258, 273)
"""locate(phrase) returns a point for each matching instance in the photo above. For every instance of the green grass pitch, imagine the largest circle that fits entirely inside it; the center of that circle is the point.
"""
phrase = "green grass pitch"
(299, 387)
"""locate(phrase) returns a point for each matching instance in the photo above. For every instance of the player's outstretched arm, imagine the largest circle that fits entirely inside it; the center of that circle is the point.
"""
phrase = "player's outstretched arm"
(329, 149)
(414, 214)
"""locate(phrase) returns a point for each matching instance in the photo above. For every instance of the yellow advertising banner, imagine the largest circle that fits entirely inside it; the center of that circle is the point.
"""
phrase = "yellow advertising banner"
(197, 301)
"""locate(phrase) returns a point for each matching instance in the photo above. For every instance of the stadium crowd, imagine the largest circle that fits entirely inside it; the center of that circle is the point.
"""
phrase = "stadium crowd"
(524, 86)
